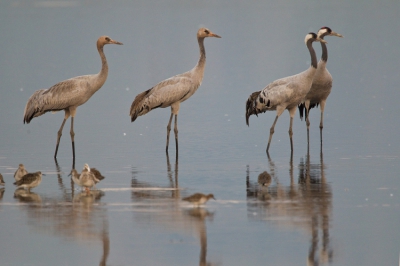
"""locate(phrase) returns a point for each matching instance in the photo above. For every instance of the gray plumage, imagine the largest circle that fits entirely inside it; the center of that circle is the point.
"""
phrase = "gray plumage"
(285, 93)
(171, 92)
(322, 82)
(198, 198)
(67, 95)
(20, 172)
(29, 180)
(2, 183)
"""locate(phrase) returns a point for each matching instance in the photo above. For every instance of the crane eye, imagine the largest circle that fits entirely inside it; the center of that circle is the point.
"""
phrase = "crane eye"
(206, 31)
(107, 39)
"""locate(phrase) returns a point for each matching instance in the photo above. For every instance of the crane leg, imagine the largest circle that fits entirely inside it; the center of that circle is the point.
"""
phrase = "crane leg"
(322, 107)
(292, 113)
(307, 107)
(72, 133)
(271, 132)
(59, 133)
(168, 131)
(291, 133)
(176, 133)
(308, 125)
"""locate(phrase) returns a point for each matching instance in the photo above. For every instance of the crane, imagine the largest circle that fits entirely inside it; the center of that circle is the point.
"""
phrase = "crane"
(67, 95)
(172, 91)
(322, 83)
(284, 93)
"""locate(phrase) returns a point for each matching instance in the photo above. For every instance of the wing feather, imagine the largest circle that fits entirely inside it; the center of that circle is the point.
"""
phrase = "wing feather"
(70, 92)
(165, 93)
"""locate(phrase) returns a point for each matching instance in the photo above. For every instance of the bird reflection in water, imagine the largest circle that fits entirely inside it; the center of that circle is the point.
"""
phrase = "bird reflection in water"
(2, 192)
(2, 183)
(306, 205)
(145, 190)
(26, 196)
(161, 206)
(73, 216)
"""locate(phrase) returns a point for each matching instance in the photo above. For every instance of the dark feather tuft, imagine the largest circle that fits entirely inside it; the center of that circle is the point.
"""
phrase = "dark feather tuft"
(251, 106)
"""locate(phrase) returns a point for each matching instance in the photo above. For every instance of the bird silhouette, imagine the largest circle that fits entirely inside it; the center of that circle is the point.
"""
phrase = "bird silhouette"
(171, 92)
(67, 95)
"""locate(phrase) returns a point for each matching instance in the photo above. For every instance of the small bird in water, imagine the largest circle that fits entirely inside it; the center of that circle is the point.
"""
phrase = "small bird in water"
(21, 171)
(86, 179)
(264, 179)
(199, 198)
(2, 183)
(98, 176)
(29, 181)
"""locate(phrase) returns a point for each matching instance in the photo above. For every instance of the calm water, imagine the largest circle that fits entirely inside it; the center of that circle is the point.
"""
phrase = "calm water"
(332, 204)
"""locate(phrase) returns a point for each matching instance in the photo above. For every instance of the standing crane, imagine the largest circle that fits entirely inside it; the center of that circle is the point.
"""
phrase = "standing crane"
(67, 95)
(285, 93)
(322, 83)
(173, 91)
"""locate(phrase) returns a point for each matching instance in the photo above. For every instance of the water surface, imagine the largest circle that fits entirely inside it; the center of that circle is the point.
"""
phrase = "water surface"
(331, 204)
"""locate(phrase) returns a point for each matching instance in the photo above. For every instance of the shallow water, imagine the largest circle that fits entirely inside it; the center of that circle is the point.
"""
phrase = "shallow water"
(332, 204)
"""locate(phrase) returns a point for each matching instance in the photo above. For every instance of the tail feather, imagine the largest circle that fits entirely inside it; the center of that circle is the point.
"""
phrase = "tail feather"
(32, 108)
(137, 105)
(302, 107)
(251, 106)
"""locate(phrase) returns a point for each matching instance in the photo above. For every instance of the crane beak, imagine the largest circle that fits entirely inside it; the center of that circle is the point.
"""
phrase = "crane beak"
(214, 35)
(115, 42)
(336, 34)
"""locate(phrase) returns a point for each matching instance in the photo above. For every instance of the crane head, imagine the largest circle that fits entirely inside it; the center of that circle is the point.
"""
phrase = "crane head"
(326, 31)
(103, 40)
(204, 32)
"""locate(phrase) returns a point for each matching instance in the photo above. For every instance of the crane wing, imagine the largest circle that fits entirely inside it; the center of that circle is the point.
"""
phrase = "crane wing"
(276, 93)
(66, 93)
(165, 93)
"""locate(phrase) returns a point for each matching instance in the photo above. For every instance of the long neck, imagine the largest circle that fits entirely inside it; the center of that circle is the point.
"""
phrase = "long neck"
(312, 54)
(202, 60)
(102, 75)
(324, 56)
